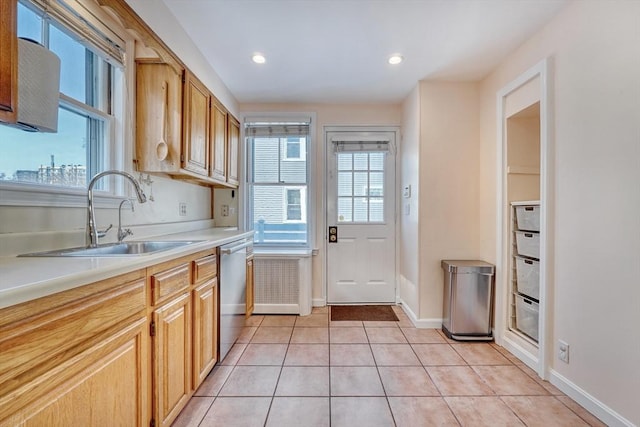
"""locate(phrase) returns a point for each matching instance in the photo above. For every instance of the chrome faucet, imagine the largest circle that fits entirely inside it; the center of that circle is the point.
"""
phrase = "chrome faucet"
(91, 238)
(127, 231)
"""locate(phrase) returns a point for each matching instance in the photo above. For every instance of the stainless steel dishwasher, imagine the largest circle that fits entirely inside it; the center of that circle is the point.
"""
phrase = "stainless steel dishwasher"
(233, 284)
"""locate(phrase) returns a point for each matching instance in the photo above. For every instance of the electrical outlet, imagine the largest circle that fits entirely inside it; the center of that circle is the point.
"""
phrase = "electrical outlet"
(182, 209)
(563, 351)
(225, 210)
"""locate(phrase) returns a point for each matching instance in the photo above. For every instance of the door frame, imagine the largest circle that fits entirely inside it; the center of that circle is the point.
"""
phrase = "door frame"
(540, 362)
(325, 162)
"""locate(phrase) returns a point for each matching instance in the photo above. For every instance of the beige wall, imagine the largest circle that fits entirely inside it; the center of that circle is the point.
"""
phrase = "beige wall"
(409, 217)
(595, 193)
(329, 115)
(448, 191)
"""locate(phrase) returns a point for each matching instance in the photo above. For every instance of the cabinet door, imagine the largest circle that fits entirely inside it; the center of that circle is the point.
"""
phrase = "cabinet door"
(171, 359)
(158, 117)
(205, 330)
(196, 127)
(234, 146)
(8, 61)
(250, 287)
(111, 389)
(218, 142)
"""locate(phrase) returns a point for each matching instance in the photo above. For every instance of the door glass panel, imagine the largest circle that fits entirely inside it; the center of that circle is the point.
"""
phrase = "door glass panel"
(360, 209)
(361, 161)
(376, 209)
(345, 162)
(345, 184)
(361, 187)
(345, 207)
(360, 183)
(376, 161)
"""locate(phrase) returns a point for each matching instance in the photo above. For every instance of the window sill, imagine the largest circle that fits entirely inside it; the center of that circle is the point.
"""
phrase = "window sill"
(13, 194)
(281, 253)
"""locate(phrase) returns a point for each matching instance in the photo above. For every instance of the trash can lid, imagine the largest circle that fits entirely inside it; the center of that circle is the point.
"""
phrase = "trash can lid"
(467, 266)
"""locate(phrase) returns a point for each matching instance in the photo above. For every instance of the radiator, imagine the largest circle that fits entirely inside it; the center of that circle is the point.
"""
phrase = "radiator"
(282, 284)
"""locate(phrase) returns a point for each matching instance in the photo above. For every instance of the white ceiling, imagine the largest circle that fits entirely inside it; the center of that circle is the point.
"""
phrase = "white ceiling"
(336, 51)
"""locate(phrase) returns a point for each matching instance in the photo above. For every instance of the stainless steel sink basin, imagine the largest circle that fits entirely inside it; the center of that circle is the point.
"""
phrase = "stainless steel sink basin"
(124, 249)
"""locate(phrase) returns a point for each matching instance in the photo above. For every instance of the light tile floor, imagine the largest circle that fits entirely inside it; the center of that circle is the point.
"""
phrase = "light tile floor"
(309, 371)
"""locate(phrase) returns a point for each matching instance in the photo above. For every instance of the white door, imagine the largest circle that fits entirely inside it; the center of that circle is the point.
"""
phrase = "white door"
(361, 249)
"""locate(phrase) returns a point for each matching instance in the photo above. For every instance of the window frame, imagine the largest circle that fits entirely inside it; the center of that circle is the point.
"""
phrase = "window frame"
(117, 126)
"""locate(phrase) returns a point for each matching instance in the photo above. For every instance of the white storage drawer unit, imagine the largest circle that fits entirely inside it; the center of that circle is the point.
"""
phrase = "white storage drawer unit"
(528, 217)
(528, 244)
(527, 316)
(528, 277)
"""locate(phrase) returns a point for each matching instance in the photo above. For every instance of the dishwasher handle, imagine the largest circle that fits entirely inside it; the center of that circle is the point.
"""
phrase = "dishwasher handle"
(232, 249)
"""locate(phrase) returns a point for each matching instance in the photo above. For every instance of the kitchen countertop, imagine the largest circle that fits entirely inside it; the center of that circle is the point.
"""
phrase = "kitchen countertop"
(27, 278)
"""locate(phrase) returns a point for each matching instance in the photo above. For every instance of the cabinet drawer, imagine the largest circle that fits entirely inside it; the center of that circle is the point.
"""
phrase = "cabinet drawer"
(205, 268)
(170, 281)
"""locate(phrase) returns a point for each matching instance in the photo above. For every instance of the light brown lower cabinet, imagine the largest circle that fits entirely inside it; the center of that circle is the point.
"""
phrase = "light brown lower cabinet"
(171, 359)
(205, 330)
(126, 351)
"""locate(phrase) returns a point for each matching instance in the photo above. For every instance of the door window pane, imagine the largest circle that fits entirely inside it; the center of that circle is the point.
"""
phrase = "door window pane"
(376, 161)
(361, 161)
(345, 162)
(345, 184)
(345, 209)
(360, 183)
(360, 209)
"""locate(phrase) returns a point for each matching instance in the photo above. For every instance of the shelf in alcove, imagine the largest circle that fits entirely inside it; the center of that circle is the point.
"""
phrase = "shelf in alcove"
(523, 170)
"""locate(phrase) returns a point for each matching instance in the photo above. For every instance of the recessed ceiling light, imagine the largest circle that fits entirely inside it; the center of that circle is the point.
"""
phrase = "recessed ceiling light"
(395, 59)
(258, 58)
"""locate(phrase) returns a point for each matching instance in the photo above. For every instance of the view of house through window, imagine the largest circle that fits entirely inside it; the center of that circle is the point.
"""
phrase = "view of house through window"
(78, 150)
(278, 182)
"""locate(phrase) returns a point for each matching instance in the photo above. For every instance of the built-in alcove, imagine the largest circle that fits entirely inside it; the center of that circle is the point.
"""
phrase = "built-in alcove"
(521, 314)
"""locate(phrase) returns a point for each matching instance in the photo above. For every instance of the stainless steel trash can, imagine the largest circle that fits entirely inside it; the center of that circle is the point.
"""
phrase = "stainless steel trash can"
(468, 300)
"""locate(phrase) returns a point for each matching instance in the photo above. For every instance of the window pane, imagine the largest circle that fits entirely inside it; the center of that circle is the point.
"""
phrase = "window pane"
(360, 161)
(376, 209)
(376, 161)
(345, 184)
(270, 215)
(45, 158)
(345, 209)
(376, 183)
(360, 208)
(345, 162)
(265, 160)
(360, 183)
(29, 24)
(73, 58)
(293, 148)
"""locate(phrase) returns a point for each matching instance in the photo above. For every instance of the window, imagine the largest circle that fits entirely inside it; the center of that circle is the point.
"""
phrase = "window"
(90, 87)
(361, 187)
(295, 204)
(278, 187)
(294, 149)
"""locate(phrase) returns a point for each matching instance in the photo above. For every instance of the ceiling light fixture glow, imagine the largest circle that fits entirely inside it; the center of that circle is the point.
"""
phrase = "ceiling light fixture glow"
(258, 58)
(395, 59)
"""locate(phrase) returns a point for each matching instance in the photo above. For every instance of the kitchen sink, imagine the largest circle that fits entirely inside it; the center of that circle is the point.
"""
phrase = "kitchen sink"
(124, 249)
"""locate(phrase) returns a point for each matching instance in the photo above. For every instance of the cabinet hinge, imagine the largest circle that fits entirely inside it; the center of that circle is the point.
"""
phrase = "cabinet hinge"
(152, 423)
(152, 332)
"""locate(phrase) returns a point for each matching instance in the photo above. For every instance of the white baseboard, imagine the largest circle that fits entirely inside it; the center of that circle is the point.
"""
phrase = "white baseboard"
(318, 302)
(276, 309)
(590, 403)
(420, 323)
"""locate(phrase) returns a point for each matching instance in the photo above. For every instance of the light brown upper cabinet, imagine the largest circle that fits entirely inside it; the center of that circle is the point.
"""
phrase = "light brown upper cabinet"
(158, 117)
(234, 146)
(218, 141)
(196, 126)
(8, 61)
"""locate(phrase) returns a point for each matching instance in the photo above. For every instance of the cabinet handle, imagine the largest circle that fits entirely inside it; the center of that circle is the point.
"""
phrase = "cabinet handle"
(528, 235)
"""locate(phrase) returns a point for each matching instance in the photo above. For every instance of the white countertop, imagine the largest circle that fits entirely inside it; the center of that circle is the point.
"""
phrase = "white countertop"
(27, 278)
